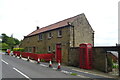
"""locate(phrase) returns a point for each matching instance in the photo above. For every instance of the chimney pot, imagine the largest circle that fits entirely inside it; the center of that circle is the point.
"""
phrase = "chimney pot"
(37, 27)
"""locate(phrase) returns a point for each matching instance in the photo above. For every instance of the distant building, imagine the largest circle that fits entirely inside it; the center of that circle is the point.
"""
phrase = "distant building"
(65, 34)
(114, 55)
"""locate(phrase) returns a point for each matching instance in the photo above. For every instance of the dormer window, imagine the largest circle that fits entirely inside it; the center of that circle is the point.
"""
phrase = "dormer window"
(59, 33)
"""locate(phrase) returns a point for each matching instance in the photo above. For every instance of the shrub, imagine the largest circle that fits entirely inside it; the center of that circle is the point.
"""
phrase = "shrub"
(109, 60)
(115, 66)
(42, 60)
(18, 49)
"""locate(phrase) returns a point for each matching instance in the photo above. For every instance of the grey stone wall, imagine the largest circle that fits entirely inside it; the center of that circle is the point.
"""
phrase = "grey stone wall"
(81, 32)
(73, 56)
(99, 58)
(100, 61)
(42, 45)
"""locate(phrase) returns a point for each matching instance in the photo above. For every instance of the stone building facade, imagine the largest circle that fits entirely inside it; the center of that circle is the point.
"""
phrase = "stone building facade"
(69, 33)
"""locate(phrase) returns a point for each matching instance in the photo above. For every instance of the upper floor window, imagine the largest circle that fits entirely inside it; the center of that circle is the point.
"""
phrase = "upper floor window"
(40, 36)
(59, 33)
(49, 35)
(28, 40)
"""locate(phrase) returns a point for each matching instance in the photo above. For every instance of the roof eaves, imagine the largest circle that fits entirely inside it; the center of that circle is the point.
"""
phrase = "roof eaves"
(71, 19)
(44, 31)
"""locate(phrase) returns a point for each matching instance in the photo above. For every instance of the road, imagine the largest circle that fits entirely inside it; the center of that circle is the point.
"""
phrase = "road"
(13, 67)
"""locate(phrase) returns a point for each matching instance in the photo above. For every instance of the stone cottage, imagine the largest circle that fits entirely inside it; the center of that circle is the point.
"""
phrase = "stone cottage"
(57, 38)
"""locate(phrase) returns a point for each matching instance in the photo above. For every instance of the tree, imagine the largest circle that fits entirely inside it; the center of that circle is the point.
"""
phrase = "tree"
(16, 41)
(9, 41)
(4, 38)
(4, 46)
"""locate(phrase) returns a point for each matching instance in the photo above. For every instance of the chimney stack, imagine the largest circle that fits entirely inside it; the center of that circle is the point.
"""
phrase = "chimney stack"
(37, 27)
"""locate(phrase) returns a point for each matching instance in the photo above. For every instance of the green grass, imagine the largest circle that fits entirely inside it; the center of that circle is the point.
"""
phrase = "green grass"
(115, 66)
(74, 74)
(42, 60)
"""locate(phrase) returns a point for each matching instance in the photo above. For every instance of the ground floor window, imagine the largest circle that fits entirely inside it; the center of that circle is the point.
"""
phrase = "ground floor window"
(30, 49)
(49, 49)
(26, 49)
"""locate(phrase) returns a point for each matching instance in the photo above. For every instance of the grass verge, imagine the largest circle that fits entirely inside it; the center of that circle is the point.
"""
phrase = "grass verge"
(74, 74)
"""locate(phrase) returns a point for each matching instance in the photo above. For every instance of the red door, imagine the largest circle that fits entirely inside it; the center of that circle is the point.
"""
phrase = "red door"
(58, 52)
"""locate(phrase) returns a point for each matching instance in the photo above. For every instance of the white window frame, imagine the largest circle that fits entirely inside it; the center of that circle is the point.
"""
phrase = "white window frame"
(49, 49)
(49, 35)
(30, 49)
(59, 33)
(40, 36)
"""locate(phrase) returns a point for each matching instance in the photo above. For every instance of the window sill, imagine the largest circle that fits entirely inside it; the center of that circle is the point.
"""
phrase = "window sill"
(49, 51)
(40, 40)
(49, 37)
(59, 37)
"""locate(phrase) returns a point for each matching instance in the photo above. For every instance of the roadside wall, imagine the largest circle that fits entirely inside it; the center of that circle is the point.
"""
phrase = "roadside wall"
(99, 57)
(73, 59)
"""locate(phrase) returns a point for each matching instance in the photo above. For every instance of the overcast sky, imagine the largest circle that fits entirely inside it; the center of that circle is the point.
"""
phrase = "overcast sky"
(20, 17)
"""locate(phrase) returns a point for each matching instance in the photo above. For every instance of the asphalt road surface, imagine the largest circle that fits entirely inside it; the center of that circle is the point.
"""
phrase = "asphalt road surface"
(17, 68)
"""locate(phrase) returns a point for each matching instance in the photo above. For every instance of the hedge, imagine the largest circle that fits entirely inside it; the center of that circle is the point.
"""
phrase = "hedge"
(19, 49)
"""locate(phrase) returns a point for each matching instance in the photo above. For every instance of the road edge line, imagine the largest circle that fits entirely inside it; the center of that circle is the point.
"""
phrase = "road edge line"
(21, 73)
(4, 61)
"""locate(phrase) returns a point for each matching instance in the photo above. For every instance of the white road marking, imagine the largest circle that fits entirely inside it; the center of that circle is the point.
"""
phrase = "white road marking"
(24, 59)
(21, 73)
(92, 73)
(18, 57)
(33, 61)
(65, 71)
(29, 61)
(83, 76)
(54, 68)
(43, 65)
(80, 71)
(70, 72)
(4, 61)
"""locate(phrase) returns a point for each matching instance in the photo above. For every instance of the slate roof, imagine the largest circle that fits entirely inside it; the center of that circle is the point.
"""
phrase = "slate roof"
(55, 25)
